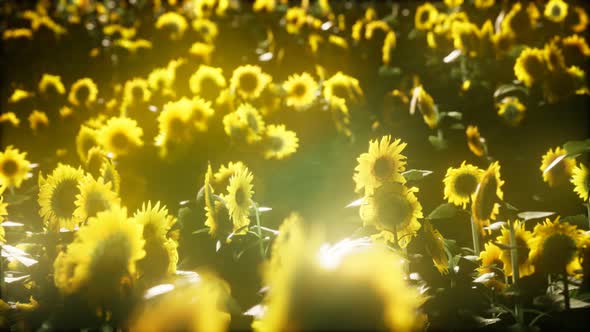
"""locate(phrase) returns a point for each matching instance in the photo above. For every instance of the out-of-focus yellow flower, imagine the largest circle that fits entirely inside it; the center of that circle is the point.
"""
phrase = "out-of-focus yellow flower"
(17, 34)
(239, 199)
(561, 172)
(202, 51)
(246, 122)
(474, 141)
(207, 82)
(511, 110)
(301, 90)
(554, 57)
(57, 196)
(133, 45)
(120, 136)
(206, 29)
(435, 246)
(108, 172)
(161, 80)
(485, 207)
(425, 16)
(86, 139)
(342, 86)
(554, 247)
(224, 173)
(174, 121)
(51, 84)
(95, 196)
(388, 45)
(575, 49)
(484, 4)
(136, 92)
(295, 19)
(581, 180)
(518, 22)
(376, 25)
(523, 238)
(491, 262)
(37, 120)
(83, 92)
(264, 5)
(248, 81)
(124, 32)
(556, 10)
(453, 3)
(219, 224)
(11, 118)
(279, 142)
(174, 23)
(426, 105)
(581, 21)
(18, 95)
(461, 183)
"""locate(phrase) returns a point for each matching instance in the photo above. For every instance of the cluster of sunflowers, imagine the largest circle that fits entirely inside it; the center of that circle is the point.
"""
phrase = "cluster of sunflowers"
(112, 216)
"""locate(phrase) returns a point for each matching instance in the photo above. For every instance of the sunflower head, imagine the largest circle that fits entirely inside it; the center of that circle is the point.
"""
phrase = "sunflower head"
(555, 245)
(248, 81)
(207, 82)
(485, 205)
(523, 240)
(57, 196)
(200, 113)
(475, 142)
(239, 198)
(291, 234)
(51, 85)
(341, 86)
(581, 180)
(95, 196)
(136, 92)
(435, 246)
(575, 49)
(120, 136)
(461, 183)
(38, 120)
(173, 24)
(427, 107)
(511, 110)
(14, 167)
(219, 223)
(279, 142)
(83, 92)
(554, 57)
(577, 19)
(224, 173)
(484, 4)
(382, 164)
(425, 16)
(295, 19)
(108, 172)
(301, 90)
(560, 172)
(530, 66)
(160, 81)
(556, 10)
(491, 262)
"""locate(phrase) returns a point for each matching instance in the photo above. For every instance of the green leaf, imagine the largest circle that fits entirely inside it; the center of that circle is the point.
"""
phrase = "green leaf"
(579, 220)
(416, 174)
(454, 115)
(573, 148)
(506, 89)
(444, 211)
(439, 143)
(529, 215)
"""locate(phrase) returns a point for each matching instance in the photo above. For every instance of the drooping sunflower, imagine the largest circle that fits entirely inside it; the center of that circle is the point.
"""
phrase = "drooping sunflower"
(575, 49)
(383, 163)
(560, 172)
(85, 140)
(581, 180)
(206, 29)
(96, 157)
(57, 196)
(18, 95)
(523, 238)
(174, 121)
(484, 206)
(120, 135)
(37, 120)
(224, 173)
(14, 167)
(136, 92)
(474, 141)
(461, 183)
(200, 113)
(218, 222)
(83, 92)
(554, 247)
(254, 124)
(491, 262)
(425, 16)
(511, 110)
(102, 257)
(239, 198)
(108, 172)
(392, 208)
(342, 86)
(95, 196)
(556, 10)
(530, 66)
(435, 246)
(174, 23)
(427, 107)
(291, 232)
(554, 57)
(207, 82)
(279, 142)
(301, 90)
(51, 85)
(248, 81)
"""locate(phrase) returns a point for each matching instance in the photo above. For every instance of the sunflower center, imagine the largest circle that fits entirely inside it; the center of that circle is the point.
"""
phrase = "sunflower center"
(176, 125)
(95, 203)
(208, 89)
(51, 89)
(120, 141)
(383, 167)
(110, 259)
(558, 251)
(248, 82)
(88, 143)
(9, 167)
(82, 94)
(137, 93)
(425, 16)
(511, 112)
(197, 114)
(465, 184)
(276, 143)
(149, 231)
(534, 67)
(299, 90)
(63, 197)
(395, 210)
(240, 196)
(340, 90)
(555, 11)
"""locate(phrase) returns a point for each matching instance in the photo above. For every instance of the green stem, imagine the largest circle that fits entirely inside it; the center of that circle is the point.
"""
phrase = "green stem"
(261, 247)
(475, 237)
(566, 291)
(515, 270)
(395, 239)
(588, 208)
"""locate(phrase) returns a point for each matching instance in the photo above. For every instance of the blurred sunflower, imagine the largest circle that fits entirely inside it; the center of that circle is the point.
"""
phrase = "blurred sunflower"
(267, 6)
(554, 57)
(388, 45)
(248, 81)
(394, 210)
(301, 91)
(435, 246)
(200, 113)
(575, 49)
(57, 195)
(250, 120)
(136, 92)
(425, 17)
(382, 164)
(173, 23)
(224, 173)
(38, 120)
(13, 167)
(530, 66)
(581, 180)
(491, 262)
(239, 198)
(554, 247)
(207, 82)
(96, 157)
(489, 191)
(19, 94)
(520, 22)
(484, 4)
(295, 19)
(51, 85)
(206, 29)
(560, 172)
(85, 140)
(511, 110)
(95, 196)
(291, 233)
(102, 257)
(341, 86)
(215, 221)
(461, 183)
(426, 106)
(556, 10)
(83, 92)
(10, 117)
(202, 51)
(17, 34)
(161, 80)
(475, 142)
(3, 212)
(120, 135)
(279, 142)
(580, 22)
(108, 172)
(523, 238)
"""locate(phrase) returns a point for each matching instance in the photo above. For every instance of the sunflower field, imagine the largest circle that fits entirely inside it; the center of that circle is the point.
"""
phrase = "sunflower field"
(294, 165)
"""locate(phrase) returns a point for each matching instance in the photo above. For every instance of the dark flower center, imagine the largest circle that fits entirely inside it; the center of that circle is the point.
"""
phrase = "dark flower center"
(465, 184)
(299, 90)
(534, 67)
(276, 143)
(555, 11)
(240, 196)
(425, 16)
(248, 82)
(63, 197)
(9, 167)
(82, 94)
(393, 210)
(120, 141)
(383, 167)
(252, 122)
(137, 93)
(208, 89)
(558, 251)
(523, 250)
(340, 90)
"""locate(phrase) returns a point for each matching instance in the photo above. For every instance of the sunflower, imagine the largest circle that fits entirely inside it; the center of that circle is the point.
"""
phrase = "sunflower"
(484, 4)
(475, 142)
(248, 81)
(174, 121)
(117, 29)
(248, 121)
(13, 167)
(521, 22)
(511, 110)
(523, 238)
(484, 206)
(133, 46)
(95, 196)
(556, 10)
(196, 306)
(11, 118)
(426, 106)
(393, 208)
(560, 172)
(279, 142)
(136, 92)
(37, 120)
(102, 257)
(206, 29)
(581, 21)
(435, 246)
(19, 94)
(3, 212)
(200, 113)
(213, 208)
(530, 66)
(120, 135)
(575, 49)
(224, 173)
(554, 57)
(491, 262)
(51, 85)
(239, 198)
(295, 19)
(382, 164)
(202, 51)
(207, 82)
(267, 6)
(161, 80)
(85, 140)
(461, 183)
(291, 232)
(554, 247)
(174, 23)
(581, 180)
(83, 92)
(108, 172)
(96, 157)
(341, 86)
(57, 195)
(17, 34)
(301, 90)
(425, 16)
